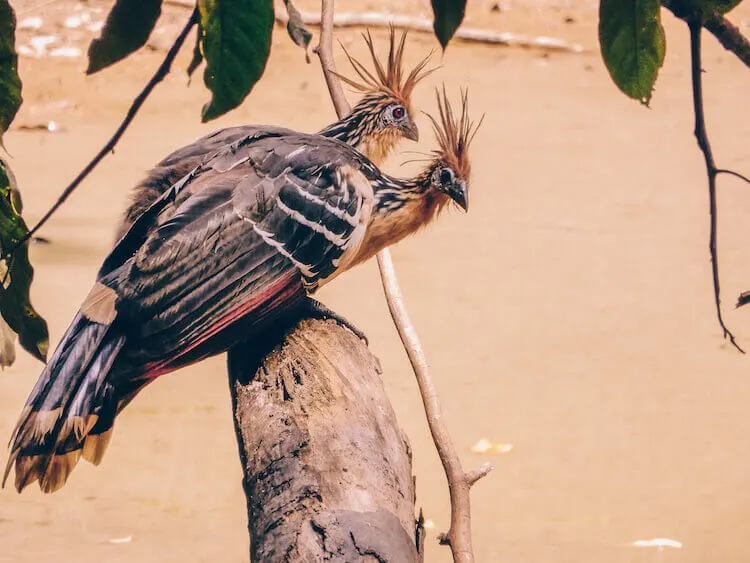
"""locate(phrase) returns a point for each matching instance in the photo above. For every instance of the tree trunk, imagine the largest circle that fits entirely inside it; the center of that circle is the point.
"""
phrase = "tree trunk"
(327, 470)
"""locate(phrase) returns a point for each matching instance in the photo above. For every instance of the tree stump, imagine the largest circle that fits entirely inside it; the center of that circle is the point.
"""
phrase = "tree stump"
(327, 470)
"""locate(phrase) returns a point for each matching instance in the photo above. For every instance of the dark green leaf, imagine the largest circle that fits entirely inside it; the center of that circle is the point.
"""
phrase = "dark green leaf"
(197, 55)
(16, 274)
(127, 29)
(236, 44)
(10, 83)
(448, 16)
(296, 29)
(633, 44)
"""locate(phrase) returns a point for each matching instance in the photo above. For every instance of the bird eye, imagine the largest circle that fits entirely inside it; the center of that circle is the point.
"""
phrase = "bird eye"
(399, 112)
(446, 176)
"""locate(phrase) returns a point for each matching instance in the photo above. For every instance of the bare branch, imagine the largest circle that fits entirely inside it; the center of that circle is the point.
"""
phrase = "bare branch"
(726, 32)
(701, 136)
(459, 483)
(158, 76)
(733, 173)
(481, 471)
(324, 50)
(424, 25)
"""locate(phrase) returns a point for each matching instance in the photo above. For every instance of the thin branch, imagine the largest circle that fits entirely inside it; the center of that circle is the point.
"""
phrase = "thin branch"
(424, 25)
(732, 173)
(459, 482)
(701, 136)
(476, 474)
(161, 72)
(324, 50)
(728, 34)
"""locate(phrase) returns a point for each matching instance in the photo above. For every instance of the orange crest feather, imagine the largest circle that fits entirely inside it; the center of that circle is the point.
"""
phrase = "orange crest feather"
(454, 135)
(388, 80)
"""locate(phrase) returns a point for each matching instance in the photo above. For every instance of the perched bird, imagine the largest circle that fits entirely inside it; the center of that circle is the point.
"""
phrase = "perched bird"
(375, 125)
(239, 242)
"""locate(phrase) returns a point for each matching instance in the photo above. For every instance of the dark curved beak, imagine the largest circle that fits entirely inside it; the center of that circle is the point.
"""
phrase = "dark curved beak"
(411, 132)
(460, 194)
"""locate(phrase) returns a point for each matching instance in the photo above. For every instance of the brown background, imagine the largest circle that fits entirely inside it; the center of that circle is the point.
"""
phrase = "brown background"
(569, 313)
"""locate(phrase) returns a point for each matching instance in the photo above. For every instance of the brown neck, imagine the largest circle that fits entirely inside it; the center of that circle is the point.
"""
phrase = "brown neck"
(388, 228)
(378, 146)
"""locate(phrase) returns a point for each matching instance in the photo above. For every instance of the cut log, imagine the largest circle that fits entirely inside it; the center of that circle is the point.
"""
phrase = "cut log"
(327, 470)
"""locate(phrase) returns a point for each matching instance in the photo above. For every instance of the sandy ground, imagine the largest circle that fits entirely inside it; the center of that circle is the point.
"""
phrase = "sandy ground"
(568, 314)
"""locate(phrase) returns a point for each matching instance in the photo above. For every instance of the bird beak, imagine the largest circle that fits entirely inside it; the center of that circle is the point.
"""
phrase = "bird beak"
(460, 194)
(411, 132)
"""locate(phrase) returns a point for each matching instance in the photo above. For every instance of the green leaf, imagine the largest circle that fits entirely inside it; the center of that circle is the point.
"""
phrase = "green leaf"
(296, 29)
(126, 30)
(448, 16)
(236, 44)
(16, 275)
(10, 83)
(633, 44)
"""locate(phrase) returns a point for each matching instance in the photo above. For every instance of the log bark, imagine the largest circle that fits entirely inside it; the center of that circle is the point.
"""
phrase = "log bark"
(327, 470)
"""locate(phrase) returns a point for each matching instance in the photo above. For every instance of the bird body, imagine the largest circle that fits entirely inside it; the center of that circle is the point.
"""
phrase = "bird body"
(244, 237)
(236, 244)
(374, 126)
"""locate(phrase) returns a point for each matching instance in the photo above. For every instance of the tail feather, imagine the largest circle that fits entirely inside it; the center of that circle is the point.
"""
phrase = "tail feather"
(67, 402)
(95, 445)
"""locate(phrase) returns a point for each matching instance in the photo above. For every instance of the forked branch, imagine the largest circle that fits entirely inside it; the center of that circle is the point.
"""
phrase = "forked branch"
(459, 481)
(695, 24)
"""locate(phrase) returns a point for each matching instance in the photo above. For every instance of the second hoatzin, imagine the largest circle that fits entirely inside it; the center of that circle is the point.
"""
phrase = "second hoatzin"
(243, 239)
(373, 127)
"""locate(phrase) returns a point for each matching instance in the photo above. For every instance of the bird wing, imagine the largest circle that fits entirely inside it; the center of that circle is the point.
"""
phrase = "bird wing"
(208, 145)
(260, 223)
(180, 162)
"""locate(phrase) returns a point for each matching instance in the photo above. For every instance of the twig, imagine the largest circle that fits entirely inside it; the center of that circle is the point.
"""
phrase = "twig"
(161, 72)
(470, 34)
(701, 136)
(728, 34)
(459, 482)
(400, 21)
(733, 173)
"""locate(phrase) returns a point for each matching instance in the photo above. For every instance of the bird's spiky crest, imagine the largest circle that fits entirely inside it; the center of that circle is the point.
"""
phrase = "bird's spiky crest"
(454, 135)
(388, 79)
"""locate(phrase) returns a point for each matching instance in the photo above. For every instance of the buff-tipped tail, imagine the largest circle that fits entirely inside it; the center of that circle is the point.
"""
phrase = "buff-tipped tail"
(68, 414)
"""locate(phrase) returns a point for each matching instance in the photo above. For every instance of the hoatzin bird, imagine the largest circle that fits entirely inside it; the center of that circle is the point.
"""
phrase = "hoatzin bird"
(374, 126)
(240, 241)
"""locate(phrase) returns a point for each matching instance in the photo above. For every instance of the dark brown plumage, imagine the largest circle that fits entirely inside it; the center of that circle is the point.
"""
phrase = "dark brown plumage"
(232, 247)
(375, 125)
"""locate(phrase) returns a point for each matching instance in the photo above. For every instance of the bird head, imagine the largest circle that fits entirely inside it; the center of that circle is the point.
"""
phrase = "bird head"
(384, 113)
(450, 169)
(395, 116)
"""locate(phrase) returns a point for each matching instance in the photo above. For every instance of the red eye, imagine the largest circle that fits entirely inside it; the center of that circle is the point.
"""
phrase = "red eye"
(399, 112)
